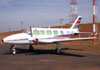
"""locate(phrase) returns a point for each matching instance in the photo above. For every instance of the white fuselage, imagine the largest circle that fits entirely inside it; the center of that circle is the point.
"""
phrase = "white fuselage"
(43, 35)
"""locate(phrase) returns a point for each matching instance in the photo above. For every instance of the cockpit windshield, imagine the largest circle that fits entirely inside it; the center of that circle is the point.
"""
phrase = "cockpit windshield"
(27, 31)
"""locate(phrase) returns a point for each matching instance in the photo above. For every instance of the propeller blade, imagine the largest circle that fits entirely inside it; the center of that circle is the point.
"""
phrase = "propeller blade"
(31, 31)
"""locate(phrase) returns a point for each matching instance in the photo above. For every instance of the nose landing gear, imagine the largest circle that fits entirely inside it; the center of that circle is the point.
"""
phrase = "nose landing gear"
(13, 49)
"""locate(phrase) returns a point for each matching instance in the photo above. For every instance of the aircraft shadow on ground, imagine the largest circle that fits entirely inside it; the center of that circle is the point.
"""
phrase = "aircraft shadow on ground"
(42, 52)
(72, 49)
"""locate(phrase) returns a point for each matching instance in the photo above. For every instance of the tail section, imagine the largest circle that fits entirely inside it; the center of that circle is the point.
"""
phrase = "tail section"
(76, 23)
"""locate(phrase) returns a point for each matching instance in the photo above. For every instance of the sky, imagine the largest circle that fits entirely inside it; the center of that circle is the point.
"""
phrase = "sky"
(41, 13)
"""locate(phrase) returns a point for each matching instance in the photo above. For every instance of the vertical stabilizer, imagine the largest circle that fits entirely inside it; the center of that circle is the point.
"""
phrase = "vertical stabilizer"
(76, 23)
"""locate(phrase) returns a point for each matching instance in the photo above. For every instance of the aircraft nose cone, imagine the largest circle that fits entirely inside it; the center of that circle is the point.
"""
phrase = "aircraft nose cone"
(2, 40)
(20, 38)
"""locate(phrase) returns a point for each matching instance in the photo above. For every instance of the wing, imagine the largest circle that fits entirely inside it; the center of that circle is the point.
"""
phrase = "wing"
(64, 39)
(72, 39)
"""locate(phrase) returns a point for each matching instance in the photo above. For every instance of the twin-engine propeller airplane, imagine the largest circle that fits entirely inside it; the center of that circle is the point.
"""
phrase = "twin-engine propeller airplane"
(45, 35)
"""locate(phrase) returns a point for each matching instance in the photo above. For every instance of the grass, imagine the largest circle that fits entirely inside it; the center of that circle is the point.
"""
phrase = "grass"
(95, 50)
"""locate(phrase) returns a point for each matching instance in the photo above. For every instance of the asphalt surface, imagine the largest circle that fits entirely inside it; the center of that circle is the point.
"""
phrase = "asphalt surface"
(46, 60)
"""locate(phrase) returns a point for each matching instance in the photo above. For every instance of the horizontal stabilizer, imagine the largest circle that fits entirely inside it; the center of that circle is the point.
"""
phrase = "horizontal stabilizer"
(86, 32)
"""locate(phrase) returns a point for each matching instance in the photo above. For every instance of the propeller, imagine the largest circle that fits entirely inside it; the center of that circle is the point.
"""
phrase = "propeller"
(31, 31)
(30, 39)
(36, 39)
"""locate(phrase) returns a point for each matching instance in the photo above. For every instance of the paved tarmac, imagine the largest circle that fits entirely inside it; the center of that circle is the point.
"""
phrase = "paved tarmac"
(46, 60)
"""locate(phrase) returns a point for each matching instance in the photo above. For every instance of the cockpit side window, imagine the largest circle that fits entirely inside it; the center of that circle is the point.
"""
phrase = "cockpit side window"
(27, 31)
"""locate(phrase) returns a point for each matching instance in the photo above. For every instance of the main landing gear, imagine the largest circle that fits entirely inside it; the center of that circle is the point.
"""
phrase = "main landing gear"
(58, 49)
(31, 48)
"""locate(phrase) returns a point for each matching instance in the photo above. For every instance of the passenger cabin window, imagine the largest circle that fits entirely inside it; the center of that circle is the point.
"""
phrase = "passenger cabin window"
(42, 32)
(61, 32)
(48, 32)
(55, 32)
(36, 32)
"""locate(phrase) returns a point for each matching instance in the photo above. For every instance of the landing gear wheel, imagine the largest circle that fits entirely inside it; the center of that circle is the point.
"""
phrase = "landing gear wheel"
(31, 48)
(57, 51)
(14, 51)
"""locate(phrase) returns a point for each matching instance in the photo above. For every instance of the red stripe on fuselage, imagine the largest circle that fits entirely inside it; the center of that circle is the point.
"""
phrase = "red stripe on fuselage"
(62, 36)
(18, 39)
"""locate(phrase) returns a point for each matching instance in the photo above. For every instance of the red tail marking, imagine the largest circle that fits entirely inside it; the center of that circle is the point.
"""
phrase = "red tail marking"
(78, 22)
